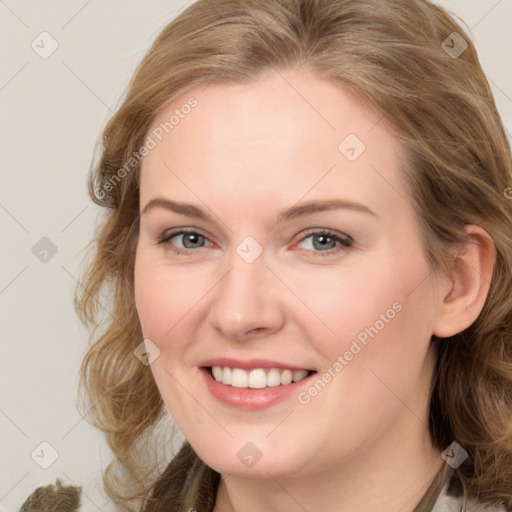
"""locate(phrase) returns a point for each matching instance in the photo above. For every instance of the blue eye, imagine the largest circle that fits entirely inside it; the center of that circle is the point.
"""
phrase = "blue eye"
(324, 242)
(190, 240)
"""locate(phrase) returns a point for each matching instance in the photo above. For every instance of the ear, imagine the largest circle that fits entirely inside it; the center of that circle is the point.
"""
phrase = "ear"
(468, 284)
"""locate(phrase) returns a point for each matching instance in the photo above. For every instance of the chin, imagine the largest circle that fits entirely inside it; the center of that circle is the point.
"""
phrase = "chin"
(254, 460)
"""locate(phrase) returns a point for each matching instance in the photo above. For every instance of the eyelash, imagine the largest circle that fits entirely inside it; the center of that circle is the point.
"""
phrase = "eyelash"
(345, 242)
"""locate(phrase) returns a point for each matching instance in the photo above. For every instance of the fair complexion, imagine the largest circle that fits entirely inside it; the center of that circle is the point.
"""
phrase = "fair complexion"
(243, 155)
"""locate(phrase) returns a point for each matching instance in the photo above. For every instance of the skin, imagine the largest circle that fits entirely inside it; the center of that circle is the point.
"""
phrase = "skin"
(245, 153)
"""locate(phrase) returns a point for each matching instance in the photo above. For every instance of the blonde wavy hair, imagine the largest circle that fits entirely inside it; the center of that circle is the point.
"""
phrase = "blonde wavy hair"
(389, 53)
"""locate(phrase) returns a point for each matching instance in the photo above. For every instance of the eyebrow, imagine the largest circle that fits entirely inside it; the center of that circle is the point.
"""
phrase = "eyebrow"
(290, 213)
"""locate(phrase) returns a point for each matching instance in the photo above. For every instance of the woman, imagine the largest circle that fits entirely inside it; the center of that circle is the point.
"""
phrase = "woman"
(339, 337)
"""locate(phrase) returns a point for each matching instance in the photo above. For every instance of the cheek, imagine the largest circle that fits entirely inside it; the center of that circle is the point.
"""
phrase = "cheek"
(339, 303)
(383, 339)
(376, 360)
(378, 313)
(164, 296)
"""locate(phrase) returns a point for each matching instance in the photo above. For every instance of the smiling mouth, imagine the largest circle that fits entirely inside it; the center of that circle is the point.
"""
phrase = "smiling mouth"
(257, 378)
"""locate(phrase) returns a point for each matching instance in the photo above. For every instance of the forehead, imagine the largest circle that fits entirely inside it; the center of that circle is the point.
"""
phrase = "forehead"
(280, 138)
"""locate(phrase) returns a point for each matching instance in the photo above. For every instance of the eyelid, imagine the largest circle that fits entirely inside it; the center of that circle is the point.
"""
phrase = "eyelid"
(325, 231)
(345, 241)
(167, 235)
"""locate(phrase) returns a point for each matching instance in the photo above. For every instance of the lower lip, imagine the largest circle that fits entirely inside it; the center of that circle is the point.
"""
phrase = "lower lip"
(249, 398)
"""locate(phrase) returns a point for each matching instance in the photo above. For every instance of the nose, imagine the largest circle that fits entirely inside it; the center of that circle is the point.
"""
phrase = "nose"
(245, 303)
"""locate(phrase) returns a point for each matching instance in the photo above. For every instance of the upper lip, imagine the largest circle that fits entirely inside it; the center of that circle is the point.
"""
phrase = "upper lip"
(250, 364)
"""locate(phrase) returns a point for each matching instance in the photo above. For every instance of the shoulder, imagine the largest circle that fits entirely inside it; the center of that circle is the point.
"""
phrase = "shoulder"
(451, 499)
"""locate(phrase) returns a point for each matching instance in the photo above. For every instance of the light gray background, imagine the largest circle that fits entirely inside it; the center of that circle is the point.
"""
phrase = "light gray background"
(52, 114)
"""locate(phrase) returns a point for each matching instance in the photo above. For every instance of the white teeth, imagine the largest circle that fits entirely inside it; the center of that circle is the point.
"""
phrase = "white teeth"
(274, 377)
(226, 375)
(286, 377)
(257, 378)
(299, 375)
(239, 378)
(217, 373)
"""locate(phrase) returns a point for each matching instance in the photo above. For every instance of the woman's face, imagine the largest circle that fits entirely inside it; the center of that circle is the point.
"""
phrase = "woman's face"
(302, 256)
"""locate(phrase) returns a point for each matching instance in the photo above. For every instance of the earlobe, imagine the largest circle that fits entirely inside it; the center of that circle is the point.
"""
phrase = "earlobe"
(470, 278)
